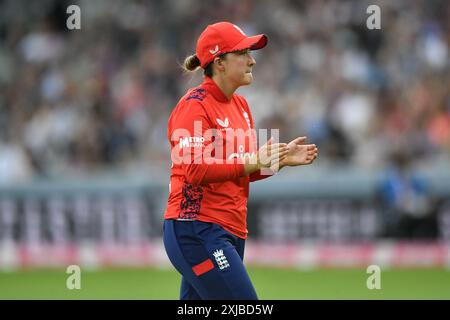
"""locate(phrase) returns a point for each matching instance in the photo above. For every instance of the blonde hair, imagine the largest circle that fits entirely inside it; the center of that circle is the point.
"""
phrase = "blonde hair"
(191, 63)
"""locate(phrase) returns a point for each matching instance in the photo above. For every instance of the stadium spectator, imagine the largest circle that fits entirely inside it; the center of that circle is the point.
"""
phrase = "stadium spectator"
(408, 207)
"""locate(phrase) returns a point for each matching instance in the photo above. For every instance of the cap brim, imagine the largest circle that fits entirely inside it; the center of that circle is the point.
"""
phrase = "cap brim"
(252, 43)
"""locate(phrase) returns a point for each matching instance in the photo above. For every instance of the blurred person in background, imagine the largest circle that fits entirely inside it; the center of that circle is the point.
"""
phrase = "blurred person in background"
(15, 165)
(408, 209)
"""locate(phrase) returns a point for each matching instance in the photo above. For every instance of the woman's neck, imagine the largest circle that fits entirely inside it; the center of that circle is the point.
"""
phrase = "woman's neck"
(227, 88)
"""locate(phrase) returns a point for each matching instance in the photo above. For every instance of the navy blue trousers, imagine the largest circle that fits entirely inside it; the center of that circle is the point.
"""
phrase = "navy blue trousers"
(210, 260)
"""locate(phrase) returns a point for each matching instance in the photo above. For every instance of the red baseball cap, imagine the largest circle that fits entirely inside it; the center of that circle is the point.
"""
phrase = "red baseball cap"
(224, 37)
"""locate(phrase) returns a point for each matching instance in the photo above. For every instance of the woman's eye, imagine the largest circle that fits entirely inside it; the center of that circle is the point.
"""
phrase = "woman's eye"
(242, 52)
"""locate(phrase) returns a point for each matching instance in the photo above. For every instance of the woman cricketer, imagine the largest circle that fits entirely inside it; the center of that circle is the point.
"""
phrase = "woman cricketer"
(214, 159)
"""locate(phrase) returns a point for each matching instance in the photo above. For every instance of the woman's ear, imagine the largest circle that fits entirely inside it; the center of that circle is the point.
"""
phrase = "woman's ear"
(219, 63)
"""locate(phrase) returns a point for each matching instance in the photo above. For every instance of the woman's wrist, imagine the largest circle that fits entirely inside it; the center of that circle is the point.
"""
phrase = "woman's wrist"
(252, 164)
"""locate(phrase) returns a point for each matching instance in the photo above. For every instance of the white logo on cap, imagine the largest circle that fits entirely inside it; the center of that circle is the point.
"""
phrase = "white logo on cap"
(239, 29)
(216, 49)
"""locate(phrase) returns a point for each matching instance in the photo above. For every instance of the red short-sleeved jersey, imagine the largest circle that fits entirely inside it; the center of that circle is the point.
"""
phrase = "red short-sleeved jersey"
(204, 129)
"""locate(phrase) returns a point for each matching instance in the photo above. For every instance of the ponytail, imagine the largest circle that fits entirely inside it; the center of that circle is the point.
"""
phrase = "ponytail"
(191, 63)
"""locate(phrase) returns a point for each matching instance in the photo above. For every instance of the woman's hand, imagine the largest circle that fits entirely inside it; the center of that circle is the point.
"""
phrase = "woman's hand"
(270, 155)
(299, 153)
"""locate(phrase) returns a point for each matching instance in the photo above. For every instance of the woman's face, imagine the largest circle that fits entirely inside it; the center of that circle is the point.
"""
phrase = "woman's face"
(238, 67)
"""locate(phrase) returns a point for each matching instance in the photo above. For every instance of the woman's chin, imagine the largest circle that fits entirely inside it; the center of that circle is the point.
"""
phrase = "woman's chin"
(248, 78)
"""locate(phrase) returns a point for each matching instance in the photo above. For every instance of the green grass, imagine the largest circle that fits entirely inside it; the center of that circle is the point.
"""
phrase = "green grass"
(270, 283)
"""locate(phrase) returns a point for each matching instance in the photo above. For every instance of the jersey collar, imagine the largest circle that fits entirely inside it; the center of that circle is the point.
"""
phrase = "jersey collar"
(214, 89)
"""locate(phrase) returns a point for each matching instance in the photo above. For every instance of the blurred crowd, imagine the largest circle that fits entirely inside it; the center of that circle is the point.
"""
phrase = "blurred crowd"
(81, 101)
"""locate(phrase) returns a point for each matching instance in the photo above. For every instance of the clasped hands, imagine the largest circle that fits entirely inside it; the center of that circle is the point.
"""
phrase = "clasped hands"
(279, 155)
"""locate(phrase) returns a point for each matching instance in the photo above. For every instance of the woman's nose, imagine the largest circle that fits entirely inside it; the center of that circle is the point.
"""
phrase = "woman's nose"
(252, 60)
